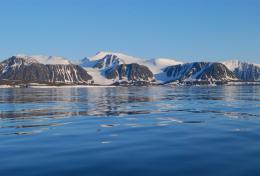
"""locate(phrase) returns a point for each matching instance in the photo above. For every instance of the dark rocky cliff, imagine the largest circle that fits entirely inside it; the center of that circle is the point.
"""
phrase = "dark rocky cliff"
(21, 69)
(130, 73)
(198, 71)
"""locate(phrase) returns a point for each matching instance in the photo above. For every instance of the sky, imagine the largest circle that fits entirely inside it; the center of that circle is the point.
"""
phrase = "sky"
(187, 30)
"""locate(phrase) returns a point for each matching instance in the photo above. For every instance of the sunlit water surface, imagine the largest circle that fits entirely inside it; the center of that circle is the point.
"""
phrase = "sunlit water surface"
(130, 131)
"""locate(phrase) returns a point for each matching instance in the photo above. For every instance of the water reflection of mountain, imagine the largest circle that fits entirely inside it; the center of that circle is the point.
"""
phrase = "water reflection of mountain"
(66, 102)
(43, 108)
(62, 102)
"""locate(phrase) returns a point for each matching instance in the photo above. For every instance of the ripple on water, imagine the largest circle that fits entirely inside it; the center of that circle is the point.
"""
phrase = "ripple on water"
(129, 131)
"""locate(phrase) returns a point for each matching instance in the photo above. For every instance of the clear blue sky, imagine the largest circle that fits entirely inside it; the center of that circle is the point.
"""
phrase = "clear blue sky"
(190, 30)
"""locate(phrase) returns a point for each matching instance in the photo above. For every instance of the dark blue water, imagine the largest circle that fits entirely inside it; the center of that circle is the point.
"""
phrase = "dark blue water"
(130, 131)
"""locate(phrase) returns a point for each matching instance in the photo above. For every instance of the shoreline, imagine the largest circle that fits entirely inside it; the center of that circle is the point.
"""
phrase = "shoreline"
(35, 85)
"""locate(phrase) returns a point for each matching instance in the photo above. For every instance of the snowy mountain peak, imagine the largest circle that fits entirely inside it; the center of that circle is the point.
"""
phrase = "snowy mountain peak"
(123, 57)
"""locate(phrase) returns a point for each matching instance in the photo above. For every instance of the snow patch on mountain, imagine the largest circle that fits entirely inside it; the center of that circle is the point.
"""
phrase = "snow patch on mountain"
(46, 60)
(105, 60)
(232, 64)
(156, 65)
(19, 59)
(244, 70)
(98, 77)
(52, 60)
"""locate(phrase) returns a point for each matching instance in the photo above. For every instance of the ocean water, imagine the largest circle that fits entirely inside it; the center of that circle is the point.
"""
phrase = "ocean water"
(129, 131)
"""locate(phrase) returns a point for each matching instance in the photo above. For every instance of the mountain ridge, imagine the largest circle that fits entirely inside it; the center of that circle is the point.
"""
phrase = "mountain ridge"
(112, 68)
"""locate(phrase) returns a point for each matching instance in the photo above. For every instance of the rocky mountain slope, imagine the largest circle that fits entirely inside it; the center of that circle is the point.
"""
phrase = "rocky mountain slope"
(29, 69)
(121, 68)
(243, 70)
(196, 72)
(109, 68)
(129, 74)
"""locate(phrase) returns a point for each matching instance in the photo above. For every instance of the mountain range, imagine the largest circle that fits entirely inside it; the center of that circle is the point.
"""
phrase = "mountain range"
(109, 68)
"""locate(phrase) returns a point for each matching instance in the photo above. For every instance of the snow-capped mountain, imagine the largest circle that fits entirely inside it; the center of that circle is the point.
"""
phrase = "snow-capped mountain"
(204, 72)
(105, 64)
(104, 60)
(31, 69)
(243, 70)
(117, 68)
(110, 68)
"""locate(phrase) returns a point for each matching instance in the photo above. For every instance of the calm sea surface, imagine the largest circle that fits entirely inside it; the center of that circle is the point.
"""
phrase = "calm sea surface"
(130, 131)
